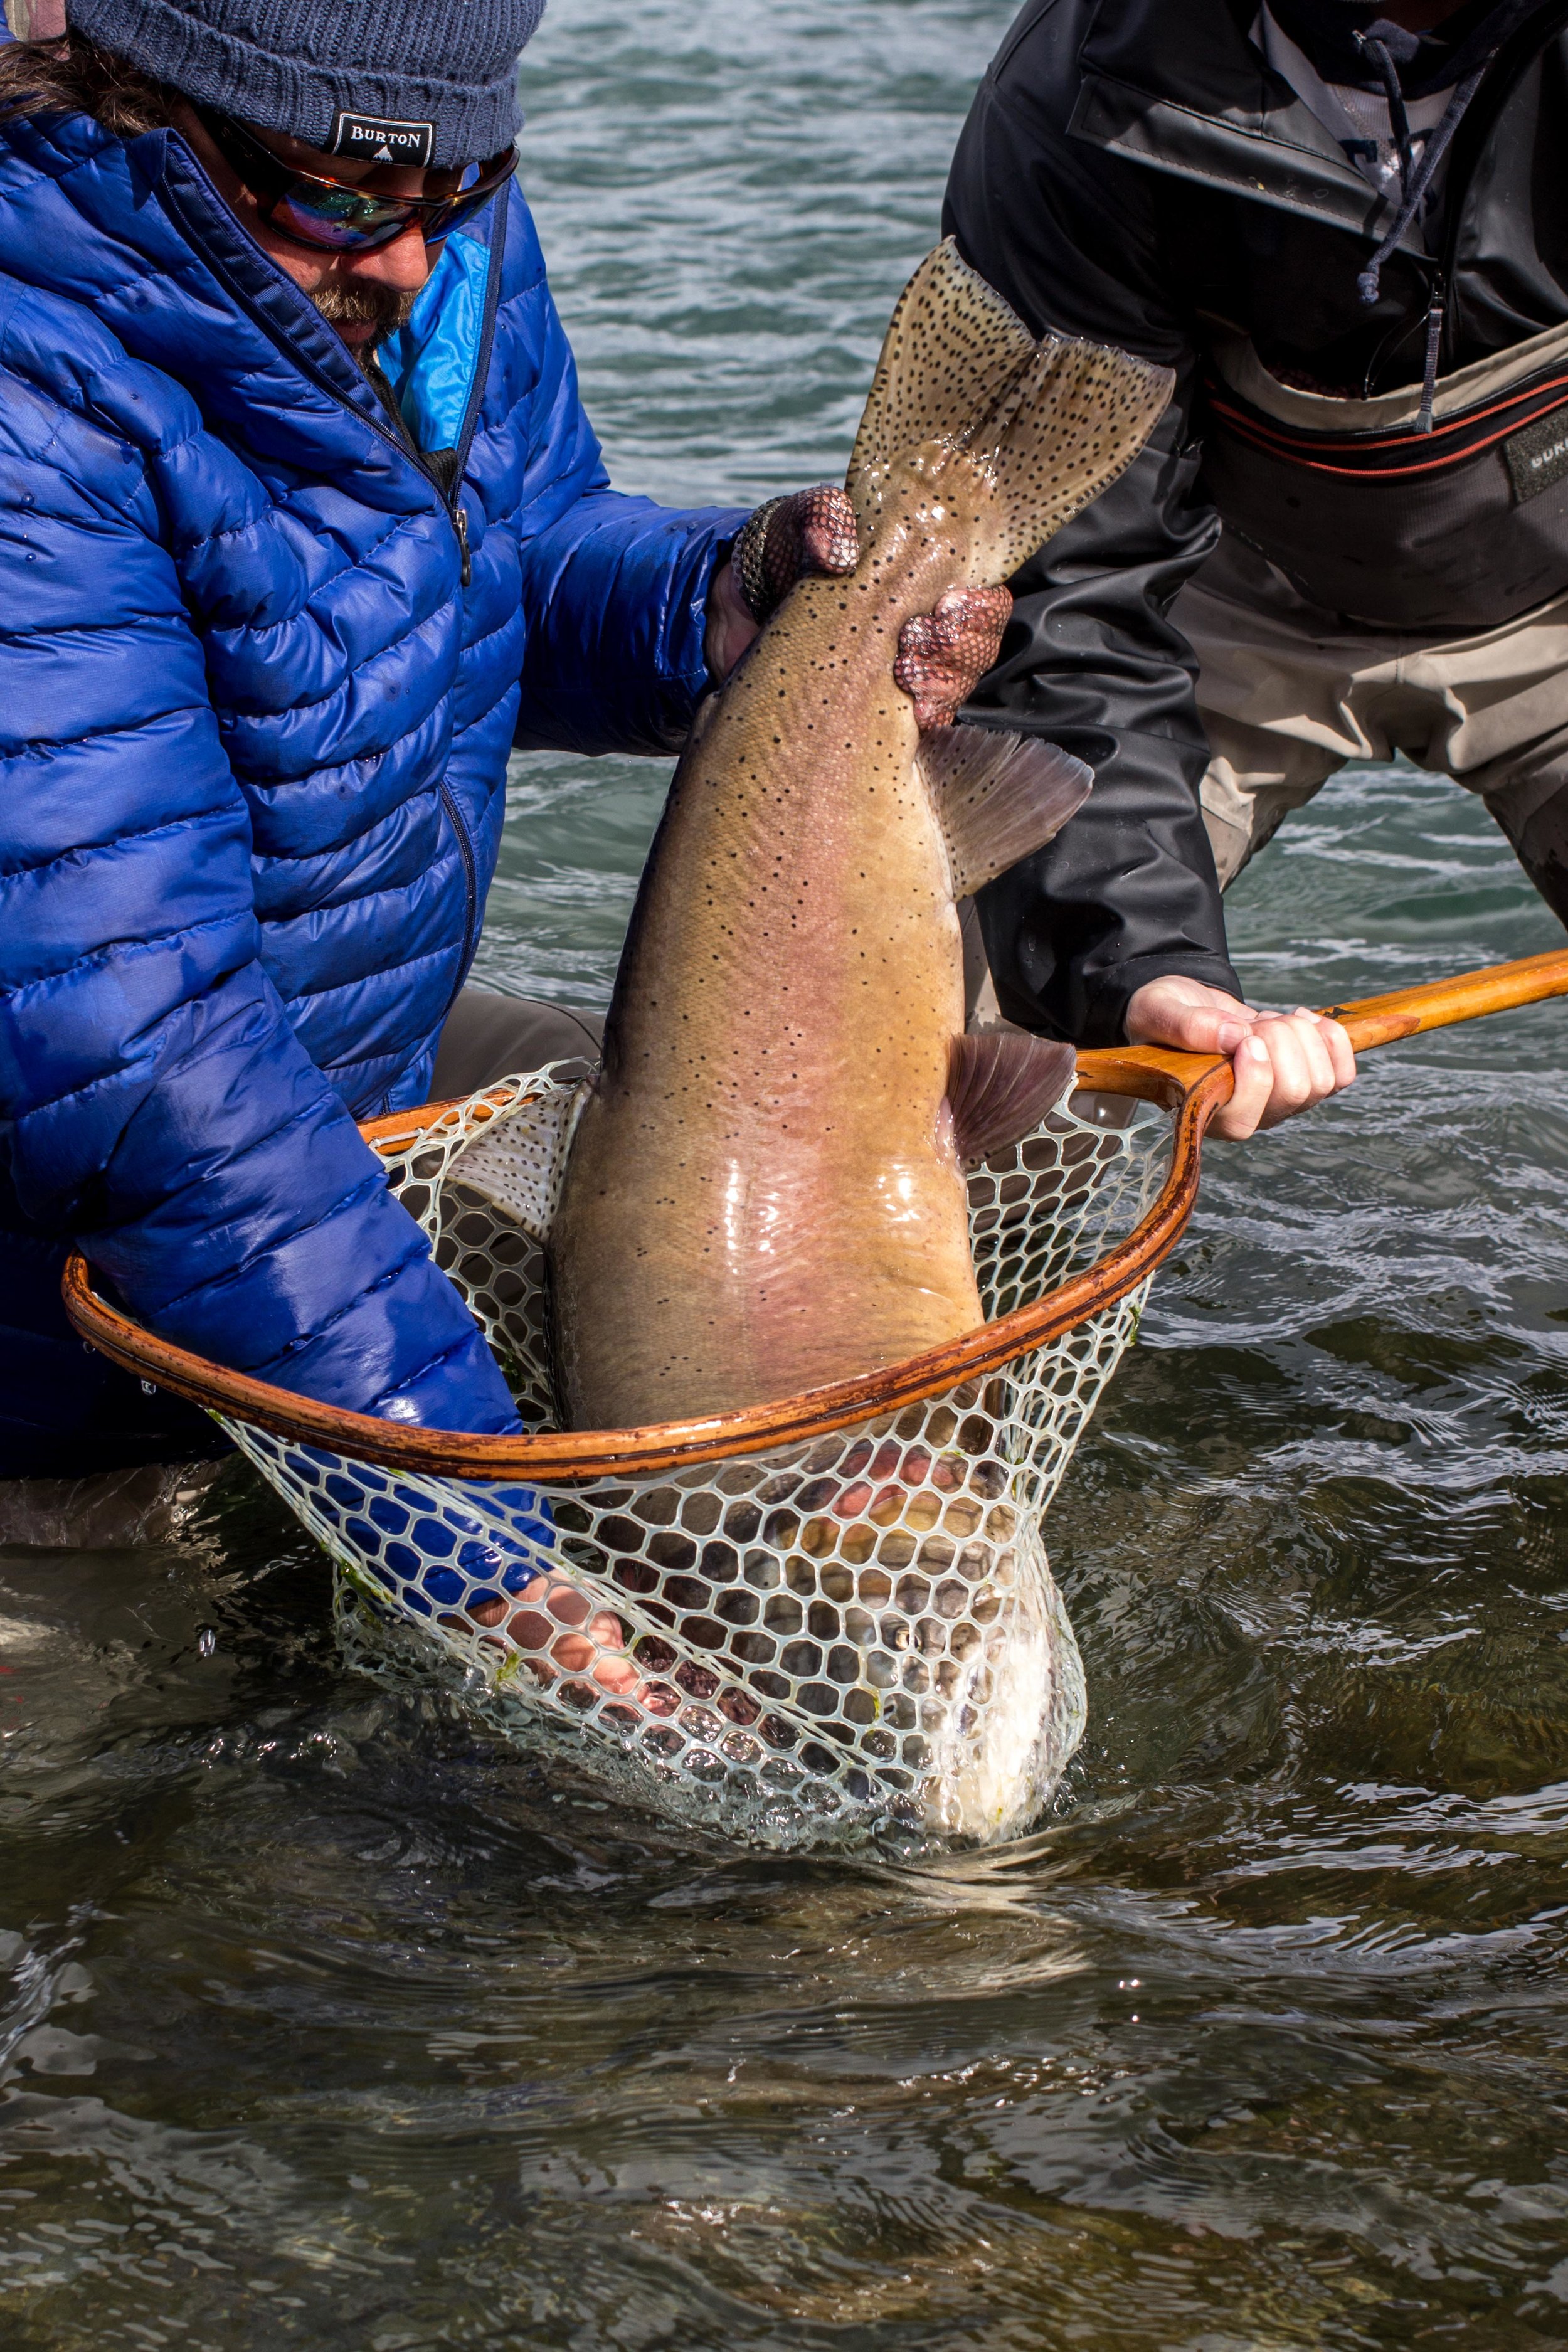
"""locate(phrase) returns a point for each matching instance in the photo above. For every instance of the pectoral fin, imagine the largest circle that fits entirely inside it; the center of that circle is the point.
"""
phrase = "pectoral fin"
(998, 797)
(1000, 1085)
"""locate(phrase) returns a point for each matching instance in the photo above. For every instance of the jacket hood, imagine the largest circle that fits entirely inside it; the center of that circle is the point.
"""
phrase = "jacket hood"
(1331, 33)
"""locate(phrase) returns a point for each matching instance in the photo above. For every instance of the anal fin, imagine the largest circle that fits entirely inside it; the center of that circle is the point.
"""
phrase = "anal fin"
(999, 797)
(517, 1162)
(1000, 1084)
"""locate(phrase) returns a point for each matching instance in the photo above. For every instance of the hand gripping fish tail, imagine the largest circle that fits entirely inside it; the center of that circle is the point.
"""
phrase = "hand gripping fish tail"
(765, 1191)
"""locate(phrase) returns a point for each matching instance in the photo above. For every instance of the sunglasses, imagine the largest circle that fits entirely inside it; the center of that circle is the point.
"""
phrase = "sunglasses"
(339, 216)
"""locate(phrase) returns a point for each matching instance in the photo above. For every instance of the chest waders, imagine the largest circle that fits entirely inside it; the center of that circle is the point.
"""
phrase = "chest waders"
(1457, 528)
(1401, 527)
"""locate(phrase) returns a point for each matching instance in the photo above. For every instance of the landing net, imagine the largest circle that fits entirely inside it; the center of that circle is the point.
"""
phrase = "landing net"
(848, 1630)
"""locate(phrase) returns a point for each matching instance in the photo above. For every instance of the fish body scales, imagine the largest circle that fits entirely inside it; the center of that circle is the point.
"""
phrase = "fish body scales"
(764, 1192)
(762, 1196)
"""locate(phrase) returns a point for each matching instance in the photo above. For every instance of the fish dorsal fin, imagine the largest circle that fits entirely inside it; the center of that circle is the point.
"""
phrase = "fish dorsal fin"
(518, 1162)
(1000, 1085)
(1047, 425)
(999, 797)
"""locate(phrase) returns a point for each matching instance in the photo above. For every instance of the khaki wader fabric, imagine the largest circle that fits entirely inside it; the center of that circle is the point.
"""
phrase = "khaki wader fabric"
(1288, 694)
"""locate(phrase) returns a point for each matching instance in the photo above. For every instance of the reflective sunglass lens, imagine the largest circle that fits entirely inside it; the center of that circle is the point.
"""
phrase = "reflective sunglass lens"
(357, 227)
(462, 208)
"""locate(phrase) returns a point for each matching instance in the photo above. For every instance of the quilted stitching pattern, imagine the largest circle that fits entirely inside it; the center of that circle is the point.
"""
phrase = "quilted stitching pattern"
(253, 737)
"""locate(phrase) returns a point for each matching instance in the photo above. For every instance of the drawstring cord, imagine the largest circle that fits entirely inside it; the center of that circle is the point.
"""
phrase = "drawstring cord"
(1382, 57)
(1414, 179)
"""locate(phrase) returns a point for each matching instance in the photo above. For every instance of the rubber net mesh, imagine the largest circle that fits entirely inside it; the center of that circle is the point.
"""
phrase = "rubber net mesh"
(798, 1645)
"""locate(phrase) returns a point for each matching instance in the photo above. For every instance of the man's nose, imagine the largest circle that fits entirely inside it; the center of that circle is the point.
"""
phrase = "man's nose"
(405, 264)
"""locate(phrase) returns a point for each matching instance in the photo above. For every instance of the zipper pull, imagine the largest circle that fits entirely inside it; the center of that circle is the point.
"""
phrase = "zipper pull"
(460, 524)
(1429, 372)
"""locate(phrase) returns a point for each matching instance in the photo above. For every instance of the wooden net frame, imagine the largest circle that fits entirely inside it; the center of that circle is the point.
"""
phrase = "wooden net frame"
(807, 1618)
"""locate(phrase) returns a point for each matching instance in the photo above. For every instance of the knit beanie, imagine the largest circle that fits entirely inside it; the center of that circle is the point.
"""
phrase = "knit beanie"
(405, 81)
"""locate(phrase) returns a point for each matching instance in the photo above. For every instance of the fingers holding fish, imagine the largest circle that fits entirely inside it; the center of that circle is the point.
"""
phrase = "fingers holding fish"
(875, 1481)
(944, 654)
(820, 522)
(789, 539)
(585, 1653)
(807, 532)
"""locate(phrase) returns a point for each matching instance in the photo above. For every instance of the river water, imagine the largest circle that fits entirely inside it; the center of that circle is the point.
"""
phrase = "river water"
(330, 2019)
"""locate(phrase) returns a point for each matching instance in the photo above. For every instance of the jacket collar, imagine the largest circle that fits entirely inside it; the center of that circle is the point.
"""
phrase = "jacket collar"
(1184, 90)
(135, 231)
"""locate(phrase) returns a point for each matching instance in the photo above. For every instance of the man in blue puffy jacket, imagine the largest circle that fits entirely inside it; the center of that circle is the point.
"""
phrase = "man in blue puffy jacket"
(302, 527)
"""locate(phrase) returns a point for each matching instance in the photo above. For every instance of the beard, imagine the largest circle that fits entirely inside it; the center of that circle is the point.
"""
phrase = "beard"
(362, 302)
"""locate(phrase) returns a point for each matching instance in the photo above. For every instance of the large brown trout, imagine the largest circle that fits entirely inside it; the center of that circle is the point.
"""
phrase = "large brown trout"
(765, 1188)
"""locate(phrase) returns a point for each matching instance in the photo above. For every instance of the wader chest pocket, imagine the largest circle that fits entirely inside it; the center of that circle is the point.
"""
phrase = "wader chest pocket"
(1454, 530)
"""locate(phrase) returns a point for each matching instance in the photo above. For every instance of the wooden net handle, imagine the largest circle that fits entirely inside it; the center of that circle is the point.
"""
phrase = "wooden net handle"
(1193, 1086)
(1160, 1074)
(1497, 988)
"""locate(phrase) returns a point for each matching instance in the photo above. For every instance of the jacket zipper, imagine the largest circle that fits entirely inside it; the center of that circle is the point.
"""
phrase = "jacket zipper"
(460, 525)
(471, 413)
(481, 362)
(450, 499)
(470, 884)
(459, 515)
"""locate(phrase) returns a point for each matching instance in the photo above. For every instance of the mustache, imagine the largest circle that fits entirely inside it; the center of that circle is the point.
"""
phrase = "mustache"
(361, 304)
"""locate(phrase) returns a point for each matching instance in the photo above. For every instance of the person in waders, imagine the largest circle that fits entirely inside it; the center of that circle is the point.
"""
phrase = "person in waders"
(1346, 228)
(303, 527)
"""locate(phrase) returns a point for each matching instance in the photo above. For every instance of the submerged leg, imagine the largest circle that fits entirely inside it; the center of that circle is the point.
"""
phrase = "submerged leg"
(1536, 826)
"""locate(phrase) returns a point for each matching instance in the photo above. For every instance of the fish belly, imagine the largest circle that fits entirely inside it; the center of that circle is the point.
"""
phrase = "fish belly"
(762, 1195)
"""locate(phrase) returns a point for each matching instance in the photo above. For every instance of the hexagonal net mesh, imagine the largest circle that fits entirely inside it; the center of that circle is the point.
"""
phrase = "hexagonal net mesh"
(796, 1644)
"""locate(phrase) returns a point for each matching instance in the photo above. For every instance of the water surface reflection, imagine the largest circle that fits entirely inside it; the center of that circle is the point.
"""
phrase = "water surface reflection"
(329, 2019)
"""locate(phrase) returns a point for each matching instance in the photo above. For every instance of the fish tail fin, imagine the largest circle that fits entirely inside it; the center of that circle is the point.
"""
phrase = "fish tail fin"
(1048, 424)
(952, 352)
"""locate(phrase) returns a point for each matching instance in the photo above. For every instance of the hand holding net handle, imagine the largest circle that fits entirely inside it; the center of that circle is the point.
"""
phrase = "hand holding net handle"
(1162, 1074)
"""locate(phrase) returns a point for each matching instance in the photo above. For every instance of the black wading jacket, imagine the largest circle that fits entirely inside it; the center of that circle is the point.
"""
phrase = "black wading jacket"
(1134, 172)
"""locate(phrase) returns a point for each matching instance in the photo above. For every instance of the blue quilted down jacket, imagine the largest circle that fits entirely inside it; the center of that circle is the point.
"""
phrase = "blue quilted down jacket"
(262, 658)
